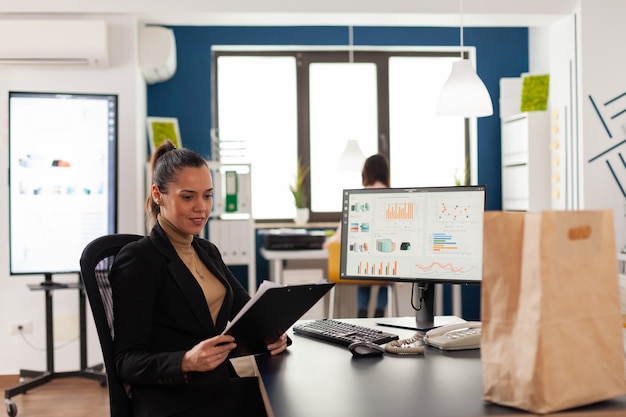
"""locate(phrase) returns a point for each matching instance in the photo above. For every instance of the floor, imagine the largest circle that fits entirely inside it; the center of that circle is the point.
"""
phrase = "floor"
(64, 397)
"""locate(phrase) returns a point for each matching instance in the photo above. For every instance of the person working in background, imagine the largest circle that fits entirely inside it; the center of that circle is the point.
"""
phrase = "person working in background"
(172, 297)
(375, 174)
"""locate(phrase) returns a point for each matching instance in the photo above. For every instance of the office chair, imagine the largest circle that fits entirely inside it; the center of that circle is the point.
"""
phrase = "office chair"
(334, 252)
(95, 264)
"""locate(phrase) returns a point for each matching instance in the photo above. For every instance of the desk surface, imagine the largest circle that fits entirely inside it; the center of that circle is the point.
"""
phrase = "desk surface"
(273, 255)
(314, 378)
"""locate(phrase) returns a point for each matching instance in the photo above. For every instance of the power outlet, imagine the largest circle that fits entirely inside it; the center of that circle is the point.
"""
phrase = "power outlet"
(21, 328)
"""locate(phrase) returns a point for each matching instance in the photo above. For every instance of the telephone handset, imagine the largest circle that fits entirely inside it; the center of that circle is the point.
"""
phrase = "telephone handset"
(455, 336)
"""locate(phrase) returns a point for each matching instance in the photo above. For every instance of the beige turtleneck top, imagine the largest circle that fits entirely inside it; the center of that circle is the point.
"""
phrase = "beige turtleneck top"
(214, 291)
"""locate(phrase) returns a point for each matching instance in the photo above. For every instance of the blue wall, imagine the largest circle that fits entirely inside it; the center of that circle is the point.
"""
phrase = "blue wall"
(501, 52)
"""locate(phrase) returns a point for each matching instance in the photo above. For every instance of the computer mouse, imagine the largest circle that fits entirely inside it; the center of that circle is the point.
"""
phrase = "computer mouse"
(364, 349)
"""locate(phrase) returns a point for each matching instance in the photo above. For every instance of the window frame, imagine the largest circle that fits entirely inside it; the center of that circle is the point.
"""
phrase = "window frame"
(307, 55)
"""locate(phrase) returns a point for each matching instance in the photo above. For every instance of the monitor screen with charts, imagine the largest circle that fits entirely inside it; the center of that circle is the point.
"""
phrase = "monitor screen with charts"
(423, 235)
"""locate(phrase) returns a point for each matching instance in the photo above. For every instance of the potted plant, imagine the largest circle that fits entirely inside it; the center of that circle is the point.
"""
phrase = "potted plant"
(464, 178)
(299, 194)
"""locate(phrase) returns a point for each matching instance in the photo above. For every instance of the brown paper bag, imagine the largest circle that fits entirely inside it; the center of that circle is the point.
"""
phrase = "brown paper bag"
(550, 307)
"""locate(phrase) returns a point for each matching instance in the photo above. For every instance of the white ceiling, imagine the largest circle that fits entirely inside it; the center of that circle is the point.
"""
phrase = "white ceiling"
(312, 12)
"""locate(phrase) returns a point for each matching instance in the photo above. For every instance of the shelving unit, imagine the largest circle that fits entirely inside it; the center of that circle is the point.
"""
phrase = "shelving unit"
(526, 162)
(231, 226)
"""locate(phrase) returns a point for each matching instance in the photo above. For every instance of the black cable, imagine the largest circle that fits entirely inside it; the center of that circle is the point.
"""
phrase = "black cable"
(413, 285)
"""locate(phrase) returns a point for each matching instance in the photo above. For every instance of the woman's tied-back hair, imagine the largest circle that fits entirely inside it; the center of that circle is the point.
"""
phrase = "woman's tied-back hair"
(166, 162)
(375, 168)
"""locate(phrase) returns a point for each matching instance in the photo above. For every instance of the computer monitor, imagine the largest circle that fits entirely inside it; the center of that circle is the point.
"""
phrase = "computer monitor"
(425, 236)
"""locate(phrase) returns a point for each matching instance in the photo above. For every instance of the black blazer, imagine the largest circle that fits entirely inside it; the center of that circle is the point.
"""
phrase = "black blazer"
(159, 313)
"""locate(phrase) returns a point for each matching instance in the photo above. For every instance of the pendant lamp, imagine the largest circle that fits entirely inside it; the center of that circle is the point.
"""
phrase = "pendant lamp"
(464, 94)
(352, 157)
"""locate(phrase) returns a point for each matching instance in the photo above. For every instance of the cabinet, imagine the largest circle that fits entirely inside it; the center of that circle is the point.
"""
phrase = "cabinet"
(526, 162)
(231, 226)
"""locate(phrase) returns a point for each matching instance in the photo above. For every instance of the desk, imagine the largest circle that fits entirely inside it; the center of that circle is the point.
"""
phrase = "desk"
(314, 378)
(277, 257)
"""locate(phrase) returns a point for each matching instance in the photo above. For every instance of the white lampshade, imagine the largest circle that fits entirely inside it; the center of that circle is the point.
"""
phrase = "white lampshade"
(352, 157)
(464, 94)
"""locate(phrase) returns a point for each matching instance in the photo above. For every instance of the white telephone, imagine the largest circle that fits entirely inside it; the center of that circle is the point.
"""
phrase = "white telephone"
(455, 336)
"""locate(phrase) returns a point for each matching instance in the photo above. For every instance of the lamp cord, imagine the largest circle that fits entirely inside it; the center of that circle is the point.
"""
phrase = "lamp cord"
(351, 44)
(461, 28)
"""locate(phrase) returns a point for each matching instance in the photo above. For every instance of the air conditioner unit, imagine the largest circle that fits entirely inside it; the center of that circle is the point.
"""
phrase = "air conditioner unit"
(54, 42)
(157, 53)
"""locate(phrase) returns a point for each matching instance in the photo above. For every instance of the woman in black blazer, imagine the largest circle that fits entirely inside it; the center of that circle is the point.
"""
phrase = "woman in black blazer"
(172, 297)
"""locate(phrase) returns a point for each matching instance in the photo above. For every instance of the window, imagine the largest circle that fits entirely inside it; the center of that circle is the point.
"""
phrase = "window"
(274, 108)
(426, 149)
(257, 123)
(342, 106)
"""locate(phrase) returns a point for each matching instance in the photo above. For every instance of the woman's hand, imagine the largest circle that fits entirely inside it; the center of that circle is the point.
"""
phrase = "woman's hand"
(208, 354)
(278, 346)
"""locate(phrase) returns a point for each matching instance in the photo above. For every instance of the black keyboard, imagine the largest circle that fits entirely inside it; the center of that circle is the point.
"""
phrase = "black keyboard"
(342, 333)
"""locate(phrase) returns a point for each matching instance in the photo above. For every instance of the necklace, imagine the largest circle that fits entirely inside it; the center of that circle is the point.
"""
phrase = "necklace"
(195, 266)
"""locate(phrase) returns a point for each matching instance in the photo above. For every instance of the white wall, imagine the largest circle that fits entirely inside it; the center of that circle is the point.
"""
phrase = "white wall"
(17, 302)
(585, 59)
(601, 75)
(565, 138)
(539, 50)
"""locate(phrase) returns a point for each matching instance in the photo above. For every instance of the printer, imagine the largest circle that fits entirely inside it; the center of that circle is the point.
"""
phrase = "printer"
(294, 239)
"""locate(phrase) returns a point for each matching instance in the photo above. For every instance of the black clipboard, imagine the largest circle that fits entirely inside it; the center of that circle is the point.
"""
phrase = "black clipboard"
(271, 315)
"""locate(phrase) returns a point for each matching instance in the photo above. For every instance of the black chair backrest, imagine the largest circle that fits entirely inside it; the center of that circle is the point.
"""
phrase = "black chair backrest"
(95, 264)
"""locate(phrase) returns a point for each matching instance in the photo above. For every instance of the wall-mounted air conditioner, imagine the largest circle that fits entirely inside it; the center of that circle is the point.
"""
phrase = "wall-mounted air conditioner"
(157, 53)
(54, 42)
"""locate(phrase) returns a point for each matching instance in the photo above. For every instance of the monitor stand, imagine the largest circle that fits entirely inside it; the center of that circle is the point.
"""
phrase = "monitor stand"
(424, 299)
(425, 319)
(30, 379)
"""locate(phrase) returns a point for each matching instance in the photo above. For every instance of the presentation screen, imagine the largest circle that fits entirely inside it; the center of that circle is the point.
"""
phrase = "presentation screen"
(62, 178)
